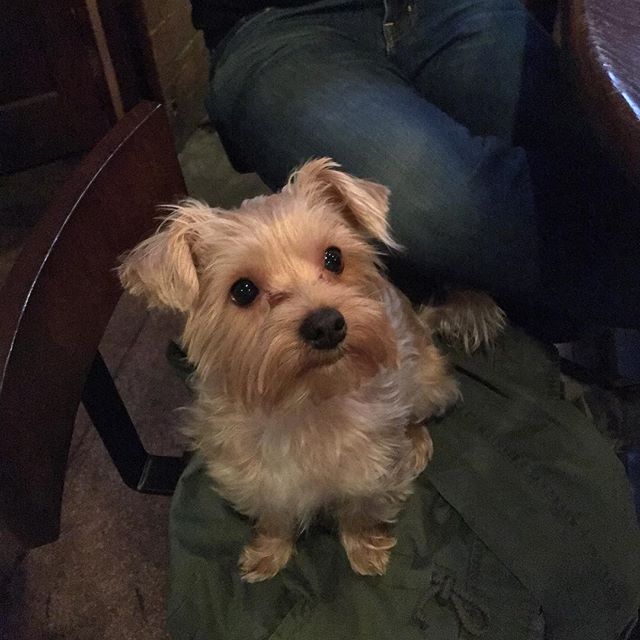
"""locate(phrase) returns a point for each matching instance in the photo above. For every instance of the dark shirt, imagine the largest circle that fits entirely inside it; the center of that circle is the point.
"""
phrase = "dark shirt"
(217, 17)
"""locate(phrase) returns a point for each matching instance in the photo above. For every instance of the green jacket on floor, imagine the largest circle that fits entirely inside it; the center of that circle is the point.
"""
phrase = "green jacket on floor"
(521, 528)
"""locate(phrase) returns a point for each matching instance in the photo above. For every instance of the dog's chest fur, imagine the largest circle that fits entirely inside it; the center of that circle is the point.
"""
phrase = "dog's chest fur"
(310, 457)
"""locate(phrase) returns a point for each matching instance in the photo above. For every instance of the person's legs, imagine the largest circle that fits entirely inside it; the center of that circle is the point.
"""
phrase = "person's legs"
(490, 66)
(486, 63)
(287, 90)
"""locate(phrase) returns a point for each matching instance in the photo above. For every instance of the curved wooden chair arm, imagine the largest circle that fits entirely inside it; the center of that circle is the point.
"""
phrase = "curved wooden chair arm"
(604, 43)
(56, 304)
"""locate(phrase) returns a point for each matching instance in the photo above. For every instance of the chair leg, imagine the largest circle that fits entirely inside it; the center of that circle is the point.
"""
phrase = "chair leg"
(138, 469)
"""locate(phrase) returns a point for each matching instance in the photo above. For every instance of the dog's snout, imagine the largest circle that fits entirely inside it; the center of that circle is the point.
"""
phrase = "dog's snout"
(324, 328)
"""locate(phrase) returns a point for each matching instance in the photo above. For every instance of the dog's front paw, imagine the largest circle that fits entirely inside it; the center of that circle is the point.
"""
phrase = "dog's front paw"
(369, 551)
(263, 558)
(422, 449)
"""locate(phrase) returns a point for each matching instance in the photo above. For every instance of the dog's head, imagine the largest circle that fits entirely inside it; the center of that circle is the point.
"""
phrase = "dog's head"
(282, 295)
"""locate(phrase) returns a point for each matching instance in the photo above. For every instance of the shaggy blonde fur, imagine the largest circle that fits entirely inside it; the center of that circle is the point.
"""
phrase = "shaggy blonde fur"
(288, 430)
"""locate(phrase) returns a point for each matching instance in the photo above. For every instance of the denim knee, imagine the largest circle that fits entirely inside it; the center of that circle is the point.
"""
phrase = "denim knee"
(470, 221)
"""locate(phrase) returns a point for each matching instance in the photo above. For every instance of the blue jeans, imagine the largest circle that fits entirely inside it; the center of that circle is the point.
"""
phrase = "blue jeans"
(458, 106)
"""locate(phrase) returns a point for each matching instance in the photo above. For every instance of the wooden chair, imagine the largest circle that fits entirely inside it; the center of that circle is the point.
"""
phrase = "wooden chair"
(56, 305)
(601, 38)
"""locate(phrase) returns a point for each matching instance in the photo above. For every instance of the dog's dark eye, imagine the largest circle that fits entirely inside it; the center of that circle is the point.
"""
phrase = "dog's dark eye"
(333, 260)
(244, 292)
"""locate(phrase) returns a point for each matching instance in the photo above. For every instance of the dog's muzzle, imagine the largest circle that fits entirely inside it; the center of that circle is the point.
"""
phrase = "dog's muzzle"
(324, 328)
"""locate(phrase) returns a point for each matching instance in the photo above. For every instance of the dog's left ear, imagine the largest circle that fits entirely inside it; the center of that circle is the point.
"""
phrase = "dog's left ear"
(163, 268)
(364, 204)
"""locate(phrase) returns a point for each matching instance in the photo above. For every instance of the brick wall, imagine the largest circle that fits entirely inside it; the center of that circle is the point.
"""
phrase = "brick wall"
(181, 62)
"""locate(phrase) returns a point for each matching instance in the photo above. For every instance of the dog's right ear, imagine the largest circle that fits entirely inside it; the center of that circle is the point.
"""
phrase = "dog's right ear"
(163, 268)
(363, 204)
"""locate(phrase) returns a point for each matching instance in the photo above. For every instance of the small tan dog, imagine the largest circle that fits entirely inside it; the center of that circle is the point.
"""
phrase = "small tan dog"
(313, 374)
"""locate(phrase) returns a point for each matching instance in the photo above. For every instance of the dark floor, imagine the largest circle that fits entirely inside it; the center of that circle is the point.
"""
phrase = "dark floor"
(105, 578)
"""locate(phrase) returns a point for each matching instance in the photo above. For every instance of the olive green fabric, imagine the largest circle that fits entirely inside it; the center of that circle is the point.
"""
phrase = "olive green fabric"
(521, 528)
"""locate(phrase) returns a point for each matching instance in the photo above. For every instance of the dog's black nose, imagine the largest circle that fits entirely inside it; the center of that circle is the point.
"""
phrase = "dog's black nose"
(324, 328)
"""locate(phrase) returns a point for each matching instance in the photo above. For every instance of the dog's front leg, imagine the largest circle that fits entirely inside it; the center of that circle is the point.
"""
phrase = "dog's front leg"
(421, 449)
(272, 546)
(365, 534)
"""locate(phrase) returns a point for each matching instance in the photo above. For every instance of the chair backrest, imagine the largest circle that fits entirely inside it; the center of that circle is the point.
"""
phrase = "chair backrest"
(56, 304)
(603, 47)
